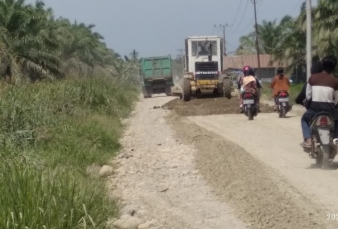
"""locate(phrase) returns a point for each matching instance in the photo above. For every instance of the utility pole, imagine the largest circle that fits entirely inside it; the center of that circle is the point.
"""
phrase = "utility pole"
(223, 28)
(257, 44)
(308, 39)
(182, 60)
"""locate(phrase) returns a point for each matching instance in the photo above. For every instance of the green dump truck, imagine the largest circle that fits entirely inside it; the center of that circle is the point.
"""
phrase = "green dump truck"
(156, 74)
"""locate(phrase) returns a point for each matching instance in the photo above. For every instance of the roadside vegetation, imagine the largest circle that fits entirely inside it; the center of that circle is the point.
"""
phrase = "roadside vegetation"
(63, 94)
(286, 40)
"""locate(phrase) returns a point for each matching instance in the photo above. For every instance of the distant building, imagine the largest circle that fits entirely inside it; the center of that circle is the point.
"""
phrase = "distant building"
(268, 68)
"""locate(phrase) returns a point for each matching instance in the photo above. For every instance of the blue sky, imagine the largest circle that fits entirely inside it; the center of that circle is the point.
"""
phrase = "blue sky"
(159, 27)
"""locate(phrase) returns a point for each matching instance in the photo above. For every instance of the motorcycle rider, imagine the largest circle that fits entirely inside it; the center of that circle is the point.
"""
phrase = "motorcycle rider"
(279, 83)
(248, 83)
(322, 90)
(240, 77)
(317, 67)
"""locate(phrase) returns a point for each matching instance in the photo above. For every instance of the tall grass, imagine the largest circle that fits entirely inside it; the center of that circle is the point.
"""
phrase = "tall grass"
(44, 198)
(49, 134)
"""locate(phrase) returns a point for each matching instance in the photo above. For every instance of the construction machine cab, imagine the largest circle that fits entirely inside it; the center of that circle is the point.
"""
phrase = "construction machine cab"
(203, 67)
(205, 49)
(204, 56)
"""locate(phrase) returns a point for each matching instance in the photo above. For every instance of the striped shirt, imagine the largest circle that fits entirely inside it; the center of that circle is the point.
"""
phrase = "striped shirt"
(322, 88)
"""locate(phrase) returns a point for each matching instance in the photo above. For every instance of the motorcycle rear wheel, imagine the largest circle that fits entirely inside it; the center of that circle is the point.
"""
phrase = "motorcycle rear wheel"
(250, 114)
(282, 112)
(325, 157)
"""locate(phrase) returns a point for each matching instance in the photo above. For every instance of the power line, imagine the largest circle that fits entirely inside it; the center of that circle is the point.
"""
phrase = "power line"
(295, 6)
(231, 45)
(253, 19)
(240, 4)
(212, 33)
(242, 15)
(263, 43)
(259, 7)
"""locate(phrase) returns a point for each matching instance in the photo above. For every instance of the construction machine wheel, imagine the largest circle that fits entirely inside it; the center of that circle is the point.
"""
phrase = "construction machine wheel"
(227, 88)
(144, 92)
(149, 92)
(168, 91)
(186, 90)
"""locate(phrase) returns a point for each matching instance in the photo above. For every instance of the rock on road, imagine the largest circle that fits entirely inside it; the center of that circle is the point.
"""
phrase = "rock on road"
(221, 171)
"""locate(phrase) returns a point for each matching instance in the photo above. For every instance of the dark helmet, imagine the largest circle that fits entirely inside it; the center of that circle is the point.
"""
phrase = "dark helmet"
(317, 67)
(280, 70)
(329, 63)
(248, 71)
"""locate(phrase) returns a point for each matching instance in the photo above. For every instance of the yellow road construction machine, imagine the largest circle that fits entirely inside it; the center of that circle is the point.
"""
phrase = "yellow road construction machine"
(203, 69)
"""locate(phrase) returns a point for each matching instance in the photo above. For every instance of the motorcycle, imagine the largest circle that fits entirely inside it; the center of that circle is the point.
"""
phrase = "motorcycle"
(282, 102)
(323, 149)
(250, 105)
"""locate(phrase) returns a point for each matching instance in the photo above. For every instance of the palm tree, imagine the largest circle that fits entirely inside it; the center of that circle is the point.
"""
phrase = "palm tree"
(134, 55)
(247, 44)
(284, 41)
(290, 47)
(27, 46)
(34, 44)
(326, 27)
(82, 49)
(268, 37)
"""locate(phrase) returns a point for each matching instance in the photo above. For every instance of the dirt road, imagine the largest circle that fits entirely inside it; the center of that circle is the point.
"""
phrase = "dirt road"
(221, 171)
(275, 142)
(157, 175)
(208, 106)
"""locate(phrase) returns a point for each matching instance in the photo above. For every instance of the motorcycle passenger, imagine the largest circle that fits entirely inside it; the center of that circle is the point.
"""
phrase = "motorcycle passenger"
(279, 83)
(317, 67)
(239, 80)
(249, 83)
(240, 77)
(239, 86)
(322, 89)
